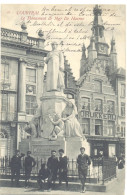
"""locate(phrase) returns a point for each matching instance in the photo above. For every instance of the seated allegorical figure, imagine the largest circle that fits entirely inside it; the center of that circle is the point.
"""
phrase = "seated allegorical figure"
(58, 127)
(33, 127)
(72, 125)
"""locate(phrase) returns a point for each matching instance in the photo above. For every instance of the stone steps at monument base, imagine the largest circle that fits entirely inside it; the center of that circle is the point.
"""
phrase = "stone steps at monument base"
(70, 179)
(72, 186)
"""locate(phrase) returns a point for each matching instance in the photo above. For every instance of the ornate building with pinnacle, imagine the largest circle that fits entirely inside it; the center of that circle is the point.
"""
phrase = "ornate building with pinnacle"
(101, 93)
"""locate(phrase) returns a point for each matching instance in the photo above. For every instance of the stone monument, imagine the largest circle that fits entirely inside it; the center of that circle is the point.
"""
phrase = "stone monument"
(54, 125)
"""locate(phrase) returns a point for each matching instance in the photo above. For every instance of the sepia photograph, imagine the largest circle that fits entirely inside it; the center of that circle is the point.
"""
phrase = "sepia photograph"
(63, 99)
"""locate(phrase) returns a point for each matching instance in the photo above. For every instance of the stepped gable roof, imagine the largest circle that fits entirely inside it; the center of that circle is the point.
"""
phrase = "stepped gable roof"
(83, 77)
(68, 68)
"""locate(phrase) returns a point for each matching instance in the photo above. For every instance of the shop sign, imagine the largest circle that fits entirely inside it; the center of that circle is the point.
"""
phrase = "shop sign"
(98, 115)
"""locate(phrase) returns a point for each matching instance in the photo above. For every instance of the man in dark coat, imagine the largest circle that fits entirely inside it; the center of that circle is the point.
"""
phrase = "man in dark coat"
(29, 164)
(43, 175)
(15, 165)
(52, 165)
(83, 161)
(62, 167)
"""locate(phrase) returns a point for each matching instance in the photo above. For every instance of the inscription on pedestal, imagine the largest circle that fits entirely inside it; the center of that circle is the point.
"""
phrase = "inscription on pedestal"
(44, 150)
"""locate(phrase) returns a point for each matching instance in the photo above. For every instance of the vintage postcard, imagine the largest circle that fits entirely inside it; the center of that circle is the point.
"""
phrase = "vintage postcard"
(62, 99)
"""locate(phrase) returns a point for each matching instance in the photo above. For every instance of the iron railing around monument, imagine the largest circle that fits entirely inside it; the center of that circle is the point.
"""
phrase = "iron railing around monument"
(108, 169)
(100, 171)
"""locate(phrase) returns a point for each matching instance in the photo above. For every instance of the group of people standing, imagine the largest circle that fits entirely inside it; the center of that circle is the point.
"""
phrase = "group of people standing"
(48, 173)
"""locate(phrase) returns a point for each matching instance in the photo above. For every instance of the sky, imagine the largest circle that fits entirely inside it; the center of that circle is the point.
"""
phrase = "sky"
(69, 25)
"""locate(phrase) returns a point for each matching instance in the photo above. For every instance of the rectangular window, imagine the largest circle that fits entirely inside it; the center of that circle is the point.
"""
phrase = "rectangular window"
(86, 103)
(122, 90)
(98, 127)
(110, 106)
(85, 126)
(4, 71)
(31, 75)
(110, 128)
(98, 105)
(98, 86)
(112, 150)
(122, 129)
(122, 109)
(30, 101)
(4, 102)
(95, 152)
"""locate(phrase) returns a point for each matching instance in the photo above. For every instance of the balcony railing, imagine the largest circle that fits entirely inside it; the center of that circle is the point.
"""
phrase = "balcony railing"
(32, 41)
(8, 34)
(8, 116)
(22, 37)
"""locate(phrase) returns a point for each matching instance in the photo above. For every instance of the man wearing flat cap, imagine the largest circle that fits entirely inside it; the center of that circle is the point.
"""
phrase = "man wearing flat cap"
(62, 167)
(15, 165)
(83, 161)
(52, 165)
(29, 164)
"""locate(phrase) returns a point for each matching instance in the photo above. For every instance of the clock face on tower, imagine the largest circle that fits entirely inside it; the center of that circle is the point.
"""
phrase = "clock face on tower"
(102, 49)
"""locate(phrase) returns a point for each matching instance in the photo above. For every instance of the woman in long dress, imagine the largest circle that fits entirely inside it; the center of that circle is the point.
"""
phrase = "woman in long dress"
(72, 126)
(55, 66)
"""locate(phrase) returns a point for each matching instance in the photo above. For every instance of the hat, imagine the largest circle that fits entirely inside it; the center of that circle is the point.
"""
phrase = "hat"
(82, 148)
(28, 152)
(53, 151)
(17, 151)
(61, 150)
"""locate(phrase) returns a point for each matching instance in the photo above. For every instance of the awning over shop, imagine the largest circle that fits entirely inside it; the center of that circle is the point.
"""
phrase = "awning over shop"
(104, 138)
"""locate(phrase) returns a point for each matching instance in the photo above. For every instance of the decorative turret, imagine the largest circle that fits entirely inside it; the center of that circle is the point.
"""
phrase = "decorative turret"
(92, 53)
(113, 54)
(98, 32)
(83, 60)
(113, 48)
(83, 52)
(98, 27)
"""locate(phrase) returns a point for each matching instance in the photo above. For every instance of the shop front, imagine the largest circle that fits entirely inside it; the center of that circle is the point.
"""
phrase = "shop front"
(102, 146)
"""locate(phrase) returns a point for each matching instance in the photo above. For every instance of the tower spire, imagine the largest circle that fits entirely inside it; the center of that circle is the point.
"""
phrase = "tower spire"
(98, 27)
(92, 53)
(83, 52)
(113, 43)
(98, 32)
(113, 53)
(83, 60)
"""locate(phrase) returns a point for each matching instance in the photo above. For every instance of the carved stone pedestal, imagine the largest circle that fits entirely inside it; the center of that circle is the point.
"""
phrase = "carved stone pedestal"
(51, 103)
(40, 147)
